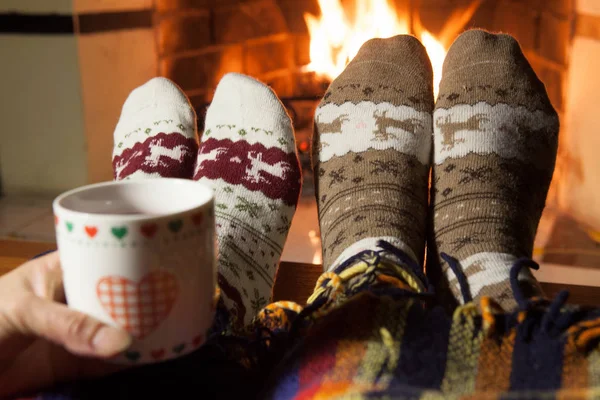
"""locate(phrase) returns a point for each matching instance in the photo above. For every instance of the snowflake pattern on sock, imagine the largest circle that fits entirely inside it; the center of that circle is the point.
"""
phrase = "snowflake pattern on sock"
(248, 156)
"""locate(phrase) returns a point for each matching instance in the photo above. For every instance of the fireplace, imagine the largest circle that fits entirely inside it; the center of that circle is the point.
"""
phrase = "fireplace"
(200, 40)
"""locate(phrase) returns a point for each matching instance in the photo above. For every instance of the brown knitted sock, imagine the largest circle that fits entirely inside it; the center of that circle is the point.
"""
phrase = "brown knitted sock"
(371, 151)
(495, 143)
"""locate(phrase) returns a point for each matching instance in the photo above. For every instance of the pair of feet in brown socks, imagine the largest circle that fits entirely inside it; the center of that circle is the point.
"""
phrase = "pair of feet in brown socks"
(490, 142)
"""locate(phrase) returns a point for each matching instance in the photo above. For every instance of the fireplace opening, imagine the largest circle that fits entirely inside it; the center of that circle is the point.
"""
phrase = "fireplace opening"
(298, 46)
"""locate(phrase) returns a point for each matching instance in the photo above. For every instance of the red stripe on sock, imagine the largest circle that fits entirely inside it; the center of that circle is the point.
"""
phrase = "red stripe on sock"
(271, 171)
(171, 155)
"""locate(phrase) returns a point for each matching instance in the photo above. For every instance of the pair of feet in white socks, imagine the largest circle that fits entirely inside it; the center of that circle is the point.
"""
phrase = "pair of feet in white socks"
(247, 154)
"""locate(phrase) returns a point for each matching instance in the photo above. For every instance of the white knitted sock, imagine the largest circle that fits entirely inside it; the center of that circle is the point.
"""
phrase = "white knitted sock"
(248, 155)
(156, 133)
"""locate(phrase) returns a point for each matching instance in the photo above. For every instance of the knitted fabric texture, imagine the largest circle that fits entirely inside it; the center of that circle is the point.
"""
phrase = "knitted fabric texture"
(156, 133)
(495, 144)
(371, 151)
(248, 156)
(372, 329)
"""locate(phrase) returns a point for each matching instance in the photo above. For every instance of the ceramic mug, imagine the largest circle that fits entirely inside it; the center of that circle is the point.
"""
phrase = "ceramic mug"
(141, 255)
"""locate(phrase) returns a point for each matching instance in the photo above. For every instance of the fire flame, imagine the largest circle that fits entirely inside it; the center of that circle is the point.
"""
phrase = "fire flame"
(335, 38)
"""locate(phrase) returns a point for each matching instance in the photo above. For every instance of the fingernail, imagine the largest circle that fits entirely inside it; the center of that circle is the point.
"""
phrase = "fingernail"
(109, 340)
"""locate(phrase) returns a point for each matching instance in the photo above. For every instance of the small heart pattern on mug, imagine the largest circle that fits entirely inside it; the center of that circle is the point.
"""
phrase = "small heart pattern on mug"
(119, 232)
(148, 230)
(133, 355)
(140, 307)
(198, 340)
(197, 218)
(91, 231)
(158, 354)
(179, 348)
(162, 353)
(175, 225)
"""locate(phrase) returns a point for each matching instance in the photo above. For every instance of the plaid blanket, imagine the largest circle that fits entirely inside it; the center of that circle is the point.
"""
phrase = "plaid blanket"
(373, 329)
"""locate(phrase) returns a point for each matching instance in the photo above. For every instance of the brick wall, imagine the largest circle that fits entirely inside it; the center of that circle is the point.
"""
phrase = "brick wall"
(200, 40)
(543, 28)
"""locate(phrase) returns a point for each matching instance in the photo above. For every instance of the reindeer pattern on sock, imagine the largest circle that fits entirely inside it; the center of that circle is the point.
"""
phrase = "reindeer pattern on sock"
(377, 121)
(254, 166)
(370, 125)
(334, 126)
(258, 168)
(383, 123)
(449, 128)
(510, 132)
(164, 154)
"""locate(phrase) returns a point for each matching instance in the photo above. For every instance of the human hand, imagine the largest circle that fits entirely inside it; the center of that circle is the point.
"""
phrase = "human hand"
(42, 341)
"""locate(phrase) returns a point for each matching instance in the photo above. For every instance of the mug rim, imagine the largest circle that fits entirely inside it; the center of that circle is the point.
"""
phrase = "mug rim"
(59, 208)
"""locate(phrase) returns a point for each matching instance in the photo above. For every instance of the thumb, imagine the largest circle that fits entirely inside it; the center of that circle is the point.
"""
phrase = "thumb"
(77, 332)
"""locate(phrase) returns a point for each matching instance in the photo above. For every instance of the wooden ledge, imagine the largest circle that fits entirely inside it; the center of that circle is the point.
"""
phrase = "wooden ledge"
(294, 281)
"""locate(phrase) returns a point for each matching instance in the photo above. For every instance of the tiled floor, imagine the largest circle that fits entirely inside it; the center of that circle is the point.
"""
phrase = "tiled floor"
(566, 252)
(27, 217)
(303, 242)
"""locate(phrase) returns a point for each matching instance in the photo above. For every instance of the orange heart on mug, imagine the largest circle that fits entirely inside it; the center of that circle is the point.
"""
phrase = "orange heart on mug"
(140, 307)
(91, 231)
